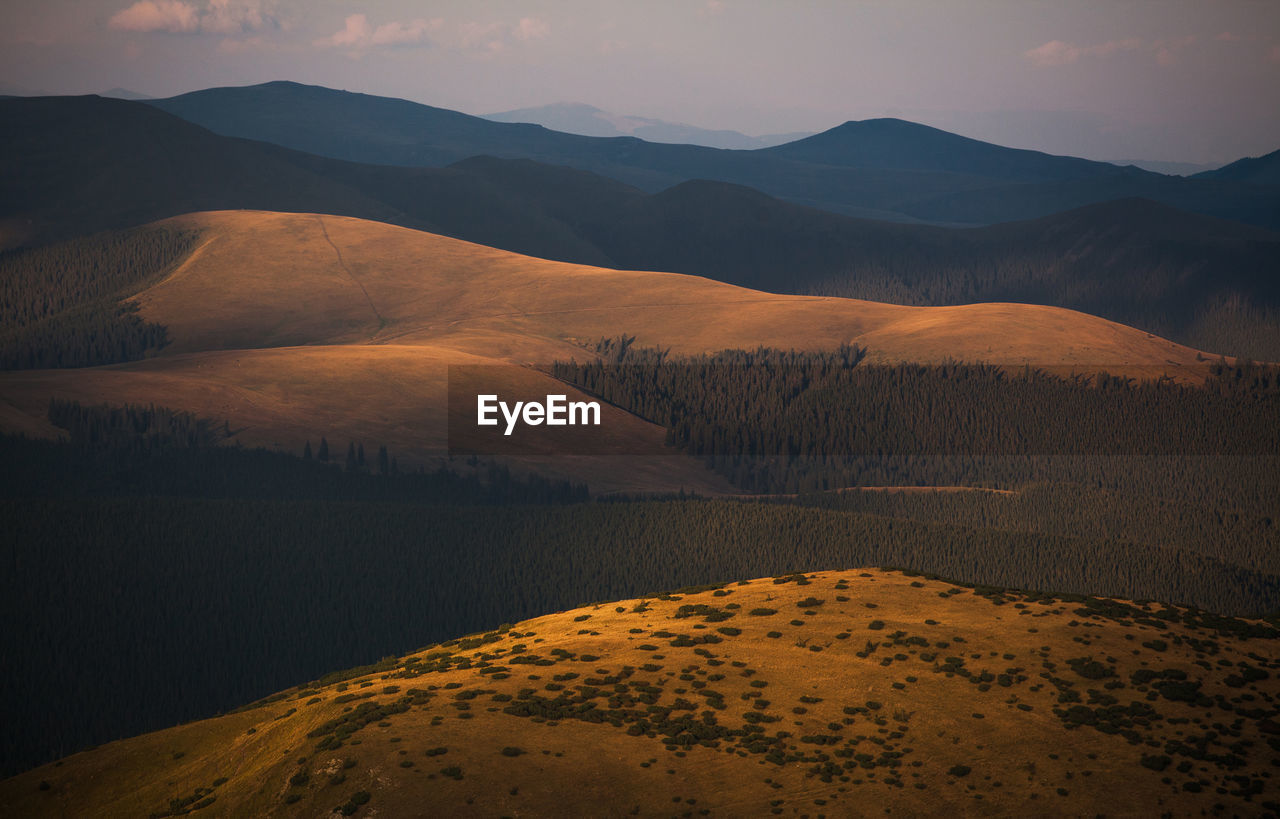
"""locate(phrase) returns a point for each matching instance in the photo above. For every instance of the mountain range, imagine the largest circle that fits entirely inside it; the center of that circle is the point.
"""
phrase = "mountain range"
(587, 120)
(90, 164)
(886, 169)
(1028, 372)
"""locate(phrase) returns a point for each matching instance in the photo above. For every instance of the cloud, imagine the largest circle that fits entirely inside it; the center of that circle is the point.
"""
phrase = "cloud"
(1273, 56)
(172, 16)
(711, 7)
(236, 17)
(531, 28)
(1056, 52)
(357, 34)
(180, 17)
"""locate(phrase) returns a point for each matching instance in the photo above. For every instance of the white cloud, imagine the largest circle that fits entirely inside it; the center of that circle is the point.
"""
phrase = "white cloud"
(180, 17)
(172, 16)
(236, 17)
(358, 34)
(414, 31)
(1274, 54)
(481, 36)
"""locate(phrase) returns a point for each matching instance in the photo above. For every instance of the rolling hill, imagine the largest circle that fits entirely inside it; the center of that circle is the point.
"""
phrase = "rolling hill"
(293, 326)
(1202, 281)
(878, 168)
(839, 692)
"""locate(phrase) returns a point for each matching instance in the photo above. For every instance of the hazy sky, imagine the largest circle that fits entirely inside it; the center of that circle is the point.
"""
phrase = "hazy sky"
(1183, 80)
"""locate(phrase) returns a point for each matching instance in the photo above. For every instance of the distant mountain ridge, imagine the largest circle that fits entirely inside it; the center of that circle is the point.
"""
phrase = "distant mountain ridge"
(126, 94)
(70, 166)
(1260, 170)
(858, 169)
(588, 120)
(903, 145)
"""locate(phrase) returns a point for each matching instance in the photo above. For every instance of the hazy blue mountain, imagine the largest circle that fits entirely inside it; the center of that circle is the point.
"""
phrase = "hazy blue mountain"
(1261, 170)
(909, 146)
(125, 94)
(587, 120)
(886, 169)
(1170, 168)
(73, 165)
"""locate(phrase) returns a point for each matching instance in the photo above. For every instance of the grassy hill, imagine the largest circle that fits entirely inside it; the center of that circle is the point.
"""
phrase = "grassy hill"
(836, 692)
(1204, 282)
(880, 168)
(293, 326)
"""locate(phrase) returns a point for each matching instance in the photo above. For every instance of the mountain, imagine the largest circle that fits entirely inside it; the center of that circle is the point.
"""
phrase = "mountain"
(125, 94)
(1202, 281)
(339, 326)
(1262, 170)
(1169, 168)
(908, 146)
(73, 165)
(858, 169)
(807, 692)
(587, 120)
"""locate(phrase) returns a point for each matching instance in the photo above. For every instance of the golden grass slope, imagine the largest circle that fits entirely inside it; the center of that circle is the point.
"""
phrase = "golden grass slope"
(294, 326)
(833, 693)
(274, 279)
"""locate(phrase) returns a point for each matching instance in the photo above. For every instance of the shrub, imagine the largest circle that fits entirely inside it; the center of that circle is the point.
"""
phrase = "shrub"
(511, 750)
(959, 770)
(1156, 762)
(762, 612)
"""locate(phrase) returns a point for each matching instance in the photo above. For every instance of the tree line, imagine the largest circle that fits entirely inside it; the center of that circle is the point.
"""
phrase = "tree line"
(65, 305)
(785, 422)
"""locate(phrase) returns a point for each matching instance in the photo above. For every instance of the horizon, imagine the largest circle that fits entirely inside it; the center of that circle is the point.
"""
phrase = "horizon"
(1111, 84)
